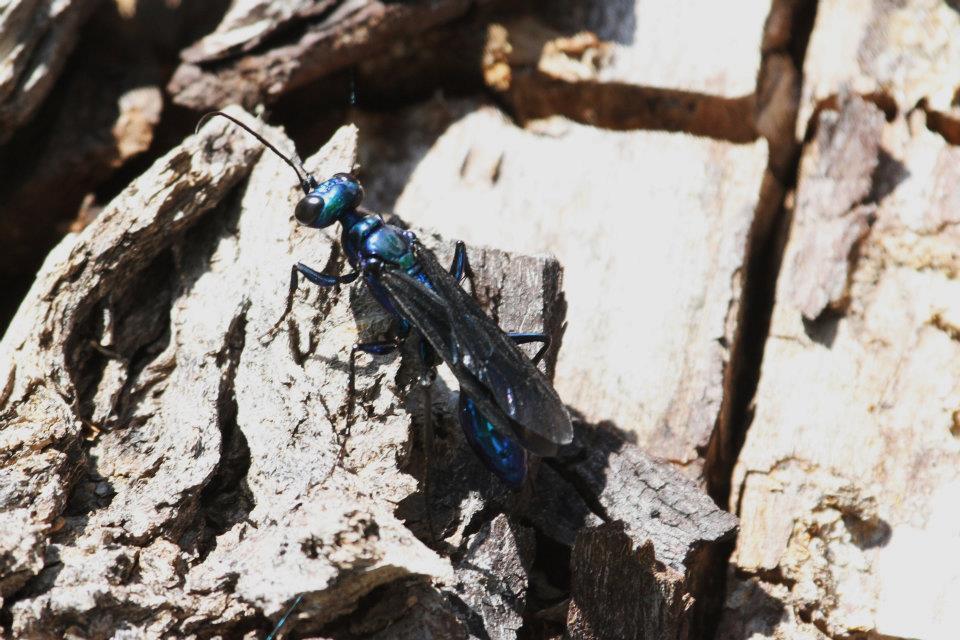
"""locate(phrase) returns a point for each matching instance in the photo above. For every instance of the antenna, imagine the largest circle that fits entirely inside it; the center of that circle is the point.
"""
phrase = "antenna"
(307, 182)
(284, 618)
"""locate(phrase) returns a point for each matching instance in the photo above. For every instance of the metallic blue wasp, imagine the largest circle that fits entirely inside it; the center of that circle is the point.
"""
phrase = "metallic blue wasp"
(507, 406)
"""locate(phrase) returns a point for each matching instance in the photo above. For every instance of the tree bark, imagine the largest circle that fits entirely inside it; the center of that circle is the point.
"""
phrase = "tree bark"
(263, 50)
(171, 440)
(40, 37)
(849, 465)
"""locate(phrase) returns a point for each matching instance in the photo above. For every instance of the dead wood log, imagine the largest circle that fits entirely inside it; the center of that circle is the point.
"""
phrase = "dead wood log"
(38, 37)
(169, 440)
(263, 49)
(847, 481)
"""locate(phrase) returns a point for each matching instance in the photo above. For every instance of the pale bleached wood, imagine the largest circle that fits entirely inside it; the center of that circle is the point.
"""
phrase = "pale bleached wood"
(541, 72)
(670, 45)
(897, 53)
(847, 481)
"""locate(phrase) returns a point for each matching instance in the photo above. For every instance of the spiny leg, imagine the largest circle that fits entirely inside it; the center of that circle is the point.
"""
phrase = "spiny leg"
(314, 276)
(322, 279)
(526, 338)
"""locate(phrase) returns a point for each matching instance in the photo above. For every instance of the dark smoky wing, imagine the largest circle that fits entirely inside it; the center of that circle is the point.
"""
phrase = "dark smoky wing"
(423, 308)
(476, 343)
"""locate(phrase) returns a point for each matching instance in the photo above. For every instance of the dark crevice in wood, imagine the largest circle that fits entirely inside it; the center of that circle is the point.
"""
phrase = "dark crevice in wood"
(227, 500)
(787, 34)
(766, 242)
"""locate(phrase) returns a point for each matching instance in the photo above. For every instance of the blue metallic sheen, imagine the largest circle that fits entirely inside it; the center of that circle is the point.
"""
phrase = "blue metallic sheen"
(504, 457)
(340, 193)
(390, 245)
(366, 238)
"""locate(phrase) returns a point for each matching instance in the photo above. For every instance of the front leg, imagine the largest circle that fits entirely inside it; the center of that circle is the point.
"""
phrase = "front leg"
(322, 279)
(314, 276)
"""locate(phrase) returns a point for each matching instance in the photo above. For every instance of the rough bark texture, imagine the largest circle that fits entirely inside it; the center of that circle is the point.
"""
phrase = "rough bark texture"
(831, 216)
(848, 477)
(754, 204)
(263, 49)
(37, 38)
(171, 439)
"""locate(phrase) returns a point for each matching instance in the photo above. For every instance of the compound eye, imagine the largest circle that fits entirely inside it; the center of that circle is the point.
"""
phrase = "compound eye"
(309, 209)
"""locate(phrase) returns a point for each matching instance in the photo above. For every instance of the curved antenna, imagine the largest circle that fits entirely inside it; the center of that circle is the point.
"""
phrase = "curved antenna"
(307, 182)
(284, 618)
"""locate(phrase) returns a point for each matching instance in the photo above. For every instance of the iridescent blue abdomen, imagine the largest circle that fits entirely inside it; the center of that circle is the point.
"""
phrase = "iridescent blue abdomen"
(500, 454)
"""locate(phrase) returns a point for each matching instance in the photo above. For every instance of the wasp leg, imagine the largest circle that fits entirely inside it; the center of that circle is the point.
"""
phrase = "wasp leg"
(313, 276)
(283, 620)
(322, 279)
(525, 338)
(460, 264)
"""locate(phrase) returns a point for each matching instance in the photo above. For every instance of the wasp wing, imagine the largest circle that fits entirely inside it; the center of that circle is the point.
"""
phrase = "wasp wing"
(466, 338)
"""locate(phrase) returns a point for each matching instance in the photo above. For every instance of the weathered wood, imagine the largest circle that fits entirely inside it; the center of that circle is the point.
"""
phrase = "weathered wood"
(847, 481)
(90, 131)
(643, 570)
(663, 44)
(541, 73)
(42, 420)
(170, 435)
(897, 54)
(830, 216)
(633, 216)
(38, 37)
(263, 49)
(621, 591)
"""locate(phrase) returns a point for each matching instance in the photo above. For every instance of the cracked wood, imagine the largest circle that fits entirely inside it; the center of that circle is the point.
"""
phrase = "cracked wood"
(169, 433)
(262, 50)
